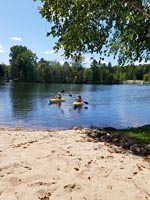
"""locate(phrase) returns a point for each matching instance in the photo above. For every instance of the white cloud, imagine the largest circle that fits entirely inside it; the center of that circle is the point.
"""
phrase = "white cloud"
(49, 52)
(61, 62)
(16, 38)
(1, 49)
(87, 59)
(104, 62)
(142, 62)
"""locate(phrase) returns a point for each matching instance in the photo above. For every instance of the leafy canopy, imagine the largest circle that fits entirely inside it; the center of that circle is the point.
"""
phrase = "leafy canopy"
(118, 27)
(22, 61)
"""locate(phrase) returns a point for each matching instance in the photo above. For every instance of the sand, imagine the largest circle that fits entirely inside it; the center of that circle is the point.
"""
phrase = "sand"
(67, 165)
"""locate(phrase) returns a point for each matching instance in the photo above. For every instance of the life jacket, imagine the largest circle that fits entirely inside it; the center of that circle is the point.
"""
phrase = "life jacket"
(78, 100)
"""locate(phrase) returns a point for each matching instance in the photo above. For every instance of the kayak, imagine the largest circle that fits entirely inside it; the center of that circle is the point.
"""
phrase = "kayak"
(55, 100)
(76, 104)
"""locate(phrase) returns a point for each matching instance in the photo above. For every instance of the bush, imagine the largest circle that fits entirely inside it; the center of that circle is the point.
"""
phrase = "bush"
(146, 77)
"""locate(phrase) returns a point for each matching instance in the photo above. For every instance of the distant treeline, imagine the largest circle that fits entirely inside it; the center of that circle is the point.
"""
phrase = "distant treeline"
(25, 67)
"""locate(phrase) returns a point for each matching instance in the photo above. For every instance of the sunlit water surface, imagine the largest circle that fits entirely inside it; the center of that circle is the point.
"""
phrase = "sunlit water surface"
(120, 106)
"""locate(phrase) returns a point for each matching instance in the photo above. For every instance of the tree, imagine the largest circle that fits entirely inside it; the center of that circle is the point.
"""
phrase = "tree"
(130, 71)
(118, 27)
(4, 72)
(1, 72)
(106, 74)
(77, 70)
(95, 72)
(119, 75)
(66, 73)
(146, 78)
(22, 63)
(87, 76)
(42, 71)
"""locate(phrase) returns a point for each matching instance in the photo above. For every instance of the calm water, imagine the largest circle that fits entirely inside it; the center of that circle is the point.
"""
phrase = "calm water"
(119, 106)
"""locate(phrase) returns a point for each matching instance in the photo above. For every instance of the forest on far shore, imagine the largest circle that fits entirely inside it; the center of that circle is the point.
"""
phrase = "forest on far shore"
(25, 66)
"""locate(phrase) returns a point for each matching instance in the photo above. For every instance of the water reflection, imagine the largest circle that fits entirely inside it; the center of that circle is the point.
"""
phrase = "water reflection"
(56, 104)
(119, 106)
(78, 108)
(22, 98)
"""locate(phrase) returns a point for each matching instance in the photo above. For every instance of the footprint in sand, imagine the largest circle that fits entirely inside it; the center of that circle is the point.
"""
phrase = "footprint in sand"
(43, 195)
(72, 187)
(40, 183)
(14, 181)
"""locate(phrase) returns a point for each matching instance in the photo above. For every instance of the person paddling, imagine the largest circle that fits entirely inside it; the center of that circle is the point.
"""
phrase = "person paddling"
(58, 96)
(78, 99)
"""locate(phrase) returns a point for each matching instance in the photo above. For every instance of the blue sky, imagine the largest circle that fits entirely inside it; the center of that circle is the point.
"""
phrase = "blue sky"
(22, 24)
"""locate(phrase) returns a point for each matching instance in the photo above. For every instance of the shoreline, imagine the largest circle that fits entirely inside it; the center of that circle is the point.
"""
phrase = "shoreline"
(110, 135)
(64, 129)
(67, 164)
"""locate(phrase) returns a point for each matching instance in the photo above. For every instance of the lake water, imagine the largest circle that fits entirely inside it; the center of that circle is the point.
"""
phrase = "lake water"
(120, 106)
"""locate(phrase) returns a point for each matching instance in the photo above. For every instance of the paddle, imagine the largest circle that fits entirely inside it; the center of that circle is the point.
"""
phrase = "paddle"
(83, 101)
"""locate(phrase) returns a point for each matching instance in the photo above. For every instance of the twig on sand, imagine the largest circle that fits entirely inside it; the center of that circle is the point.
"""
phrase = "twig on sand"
(136, 185)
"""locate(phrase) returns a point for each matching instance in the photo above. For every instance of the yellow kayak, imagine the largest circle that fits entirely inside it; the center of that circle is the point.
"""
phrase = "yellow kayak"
(75, 103)
(56, 100)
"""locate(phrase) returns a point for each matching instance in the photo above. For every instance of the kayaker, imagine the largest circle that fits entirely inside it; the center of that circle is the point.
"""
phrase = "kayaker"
(78, 99)
(58, 96)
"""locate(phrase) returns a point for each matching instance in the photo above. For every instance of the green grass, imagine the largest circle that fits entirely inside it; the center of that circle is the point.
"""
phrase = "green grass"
(140, 134)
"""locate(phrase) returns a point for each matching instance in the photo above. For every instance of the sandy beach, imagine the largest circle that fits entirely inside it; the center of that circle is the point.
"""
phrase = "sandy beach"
(68, 165)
